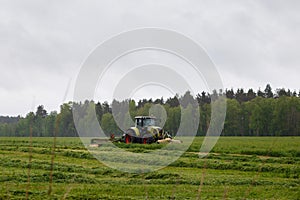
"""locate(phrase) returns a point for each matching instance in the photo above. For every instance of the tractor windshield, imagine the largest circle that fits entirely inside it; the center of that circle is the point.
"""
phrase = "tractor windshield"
(149, 122)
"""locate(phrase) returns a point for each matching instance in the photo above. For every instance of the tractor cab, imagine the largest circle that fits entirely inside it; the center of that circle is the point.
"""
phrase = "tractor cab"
(144, 121)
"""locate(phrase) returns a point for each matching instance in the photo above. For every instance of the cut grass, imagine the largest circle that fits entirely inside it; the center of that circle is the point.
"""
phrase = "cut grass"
(238, 168)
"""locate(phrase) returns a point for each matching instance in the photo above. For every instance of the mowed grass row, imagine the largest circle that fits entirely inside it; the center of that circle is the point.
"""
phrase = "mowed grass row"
(237, 168)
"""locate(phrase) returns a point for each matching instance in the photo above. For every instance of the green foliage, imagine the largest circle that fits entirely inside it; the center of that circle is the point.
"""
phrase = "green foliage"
(108, 124)
(248, 114)
(234, 117)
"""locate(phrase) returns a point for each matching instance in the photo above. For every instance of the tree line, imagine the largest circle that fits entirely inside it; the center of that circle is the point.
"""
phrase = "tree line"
(261, 113)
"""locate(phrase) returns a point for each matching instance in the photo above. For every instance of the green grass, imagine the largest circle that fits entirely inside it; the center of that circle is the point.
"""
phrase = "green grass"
(237, 168)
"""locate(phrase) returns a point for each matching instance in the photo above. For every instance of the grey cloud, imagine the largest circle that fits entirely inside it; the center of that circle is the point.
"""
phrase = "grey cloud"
(43, 43)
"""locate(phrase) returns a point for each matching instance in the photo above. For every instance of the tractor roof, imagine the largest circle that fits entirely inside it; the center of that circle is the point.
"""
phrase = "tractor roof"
(145, 117)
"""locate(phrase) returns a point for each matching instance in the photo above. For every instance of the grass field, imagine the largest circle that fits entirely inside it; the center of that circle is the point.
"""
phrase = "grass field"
(237, 168)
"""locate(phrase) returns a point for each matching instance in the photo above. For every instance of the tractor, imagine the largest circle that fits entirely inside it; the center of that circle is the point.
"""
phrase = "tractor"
(145, 131)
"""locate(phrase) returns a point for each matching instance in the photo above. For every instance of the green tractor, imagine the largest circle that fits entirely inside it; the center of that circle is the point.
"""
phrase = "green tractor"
(145, 131)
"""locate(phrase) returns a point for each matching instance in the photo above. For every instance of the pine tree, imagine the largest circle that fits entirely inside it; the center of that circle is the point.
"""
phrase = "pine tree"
(260, 93)
(250, 95)
(268, 91)
(229, 93)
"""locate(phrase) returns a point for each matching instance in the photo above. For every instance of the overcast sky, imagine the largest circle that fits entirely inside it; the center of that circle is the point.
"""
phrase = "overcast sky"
(44, 43)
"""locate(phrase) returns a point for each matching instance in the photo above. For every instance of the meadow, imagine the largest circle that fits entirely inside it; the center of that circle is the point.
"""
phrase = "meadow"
(236, 168)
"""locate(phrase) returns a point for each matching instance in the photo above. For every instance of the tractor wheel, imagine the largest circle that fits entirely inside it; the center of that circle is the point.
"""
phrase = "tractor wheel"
(145, 140)
(130, 136)
(128, 139)
(151, 140)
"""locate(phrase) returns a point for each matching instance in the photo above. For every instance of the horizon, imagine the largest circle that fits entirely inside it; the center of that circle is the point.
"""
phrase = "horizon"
(22, 115)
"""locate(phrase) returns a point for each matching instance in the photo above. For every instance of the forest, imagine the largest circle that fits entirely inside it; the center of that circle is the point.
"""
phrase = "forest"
(261, 113)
